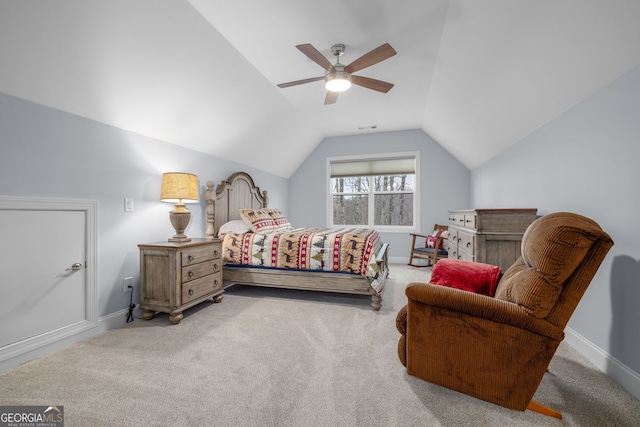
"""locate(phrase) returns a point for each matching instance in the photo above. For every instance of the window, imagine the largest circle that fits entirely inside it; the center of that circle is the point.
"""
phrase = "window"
(378, 193)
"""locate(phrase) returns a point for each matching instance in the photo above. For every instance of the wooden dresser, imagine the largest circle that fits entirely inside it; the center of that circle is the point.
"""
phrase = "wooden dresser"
(490, 236)
(176, 276)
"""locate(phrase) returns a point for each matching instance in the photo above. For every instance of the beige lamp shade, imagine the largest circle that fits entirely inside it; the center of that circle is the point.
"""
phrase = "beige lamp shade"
(179, 187)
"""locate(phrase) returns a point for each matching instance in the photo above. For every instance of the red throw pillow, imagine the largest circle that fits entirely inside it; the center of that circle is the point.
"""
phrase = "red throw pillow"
(432, 240)
(469, 276)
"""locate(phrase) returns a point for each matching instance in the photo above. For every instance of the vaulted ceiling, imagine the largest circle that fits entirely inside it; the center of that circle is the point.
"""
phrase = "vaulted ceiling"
(477, 76)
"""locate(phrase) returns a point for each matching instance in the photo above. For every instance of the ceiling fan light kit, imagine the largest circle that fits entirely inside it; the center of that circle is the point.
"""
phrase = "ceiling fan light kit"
(338, 77)
(338, 80)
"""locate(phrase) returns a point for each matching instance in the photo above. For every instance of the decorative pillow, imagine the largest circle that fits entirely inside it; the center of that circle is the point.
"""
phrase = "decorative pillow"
(279, 220)
(433, 239)
(257, 220)
(236, 226)
(469, 276)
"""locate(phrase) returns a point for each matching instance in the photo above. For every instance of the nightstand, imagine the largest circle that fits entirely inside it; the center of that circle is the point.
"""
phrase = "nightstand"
(177, 276)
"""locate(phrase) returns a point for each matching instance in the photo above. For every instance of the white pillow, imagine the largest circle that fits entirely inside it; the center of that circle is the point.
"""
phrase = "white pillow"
(236, 226)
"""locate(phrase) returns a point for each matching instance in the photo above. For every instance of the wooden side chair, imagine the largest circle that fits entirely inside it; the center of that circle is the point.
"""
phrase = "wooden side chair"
(429, 247)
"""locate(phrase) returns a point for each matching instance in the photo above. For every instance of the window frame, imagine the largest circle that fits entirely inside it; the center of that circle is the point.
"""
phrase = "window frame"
(380, 228)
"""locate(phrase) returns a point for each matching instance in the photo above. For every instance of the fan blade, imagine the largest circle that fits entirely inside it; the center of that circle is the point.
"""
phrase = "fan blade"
(315, 55)
(300, 82)
(368, 59)
(331, 97)
(369, 83)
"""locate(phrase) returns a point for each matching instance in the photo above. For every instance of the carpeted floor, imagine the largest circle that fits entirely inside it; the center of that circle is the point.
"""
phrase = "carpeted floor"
(269, 357)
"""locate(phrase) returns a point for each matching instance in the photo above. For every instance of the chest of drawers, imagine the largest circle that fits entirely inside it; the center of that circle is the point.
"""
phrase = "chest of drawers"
(490, 236)
(176, 276)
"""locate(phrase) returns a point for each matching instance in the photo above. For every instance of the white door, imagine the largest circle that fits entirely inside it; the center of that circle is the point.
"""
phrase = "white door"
(45, 285)
(41, 288)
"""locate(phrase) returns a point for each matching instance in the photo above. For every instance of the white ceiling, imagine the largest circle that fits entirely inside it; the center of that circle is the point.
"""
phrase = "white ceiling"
(475, 75)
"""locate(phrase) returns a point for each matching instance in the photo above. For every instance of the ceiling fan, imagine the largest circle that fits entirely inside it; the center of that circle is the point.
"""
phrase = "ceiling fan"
(339, 77)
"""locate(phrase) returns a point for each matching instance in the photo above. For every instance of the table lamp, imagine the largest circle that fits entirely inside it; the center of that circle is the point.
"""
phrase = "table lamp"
(179, 188)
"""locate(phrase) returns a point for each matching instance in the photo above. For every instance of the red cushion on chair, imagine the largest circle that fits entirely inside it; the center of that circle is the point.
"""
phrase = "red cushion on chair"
(432, 240)
(466, 275)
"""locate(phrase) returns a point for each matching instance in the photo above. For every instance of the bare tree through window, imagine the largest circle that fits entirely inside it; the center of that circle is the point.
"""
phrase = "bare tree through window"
(380, 200)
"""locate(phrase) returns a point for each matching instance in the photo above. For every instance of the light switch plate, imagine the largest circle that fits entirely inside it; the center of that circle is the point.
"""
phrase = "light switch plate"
(128, 204)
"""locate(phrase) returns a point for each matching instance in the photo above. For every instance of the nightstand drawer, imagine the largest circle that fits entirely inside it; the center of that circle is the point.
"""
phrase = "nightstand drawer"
(202, 286)
(196, 271)
(196, 255)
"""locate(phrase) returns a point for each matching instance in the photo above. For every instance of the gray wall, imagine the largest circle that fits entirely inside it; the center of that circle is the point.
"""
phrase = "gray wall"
(444, 184)
(49, 153)
(586, 161)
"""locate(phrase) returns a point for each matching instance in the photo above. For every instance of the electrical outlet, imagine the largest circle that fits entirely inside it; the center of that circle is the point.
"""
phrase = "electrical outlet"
(128, 281)
(128, 204)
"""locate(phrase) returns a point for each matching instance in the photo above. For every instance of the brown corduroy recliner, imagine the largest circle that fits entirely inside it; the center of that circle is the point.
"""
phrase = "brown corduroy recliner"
(498, 348)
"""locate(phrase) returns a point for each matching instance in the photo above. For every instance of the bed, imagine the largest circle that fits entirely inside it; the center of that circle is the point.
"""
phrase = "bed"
(239, 192)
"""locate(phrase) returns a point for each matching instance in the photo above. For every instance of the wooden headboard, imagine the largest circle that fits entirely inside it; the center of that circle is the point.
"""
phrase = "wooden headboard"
(223, 205)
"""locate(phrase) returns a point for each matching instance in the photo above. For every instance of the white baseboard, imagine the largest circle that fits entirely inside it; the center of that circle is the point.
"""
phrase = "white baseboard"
(113, 320)
(19, 353)
(613, 368)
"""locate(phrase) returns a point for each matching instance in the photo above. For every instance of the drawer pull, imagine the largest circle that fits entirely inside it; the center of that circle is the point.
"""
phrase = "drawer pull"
(215, 267)
(190, 292)
(190, 273)
(216, 252)
(190, 258)
(215, 282)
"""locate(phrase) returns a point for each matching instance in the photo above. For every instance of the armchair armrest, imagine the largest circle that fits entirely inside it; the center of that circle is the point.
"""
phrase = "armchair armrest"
(419, 235)
(424, 236)
(481, 306)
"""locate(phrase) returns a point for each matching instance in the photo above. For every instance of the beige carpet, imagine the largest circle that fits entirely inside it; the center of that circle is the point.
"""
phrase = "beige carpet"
(269, 357)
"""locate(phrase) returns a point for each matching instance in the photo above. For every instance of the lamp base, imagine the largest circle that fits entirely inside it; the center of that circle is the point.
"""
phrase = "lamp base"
(180, 220)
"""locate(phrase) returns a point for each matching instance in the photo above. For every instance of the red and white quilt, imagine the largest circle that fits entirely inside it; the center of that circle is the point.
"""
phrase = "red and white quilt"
(351, 250)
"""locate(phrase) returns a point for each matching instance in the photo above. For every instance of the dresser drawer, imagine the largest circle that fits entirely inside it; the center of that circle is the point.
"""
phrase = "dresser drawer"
(449, 247)
(470, 221)
(456, 219)
(202, 286)
(452, 237)
(466, 256)
(196, 271)
(466, 243)
(200, 254)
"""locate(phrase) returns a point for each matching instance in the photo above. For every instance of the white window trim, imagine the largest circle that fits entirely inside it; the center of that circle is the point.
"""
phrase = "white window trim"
(416, 196)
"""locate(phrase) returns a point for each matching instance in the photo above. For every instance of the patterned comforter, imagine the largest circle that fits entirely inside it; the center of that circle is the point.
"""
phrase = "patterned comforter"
(351, 250)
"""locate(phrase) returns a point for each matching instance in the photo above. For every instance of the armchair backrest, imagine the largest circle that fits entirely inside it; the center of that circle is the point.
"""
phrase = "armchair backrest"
(561, 253)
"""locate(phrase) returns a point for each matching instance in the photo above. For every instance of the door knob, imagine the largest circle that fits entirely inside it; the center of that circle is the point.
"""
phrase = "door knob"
(75, 267)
